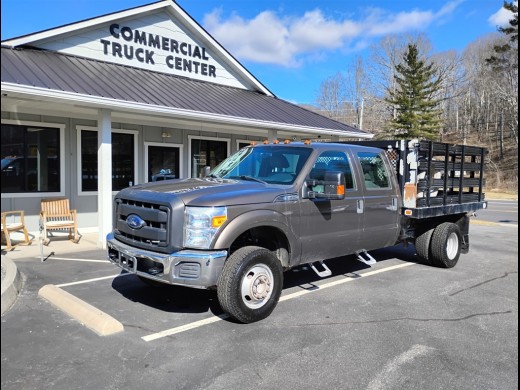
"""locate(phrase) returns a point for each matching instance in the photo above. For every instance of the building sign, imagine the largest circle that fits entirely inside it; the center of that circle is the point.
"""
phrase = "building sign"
(141, 46)
(151, 41)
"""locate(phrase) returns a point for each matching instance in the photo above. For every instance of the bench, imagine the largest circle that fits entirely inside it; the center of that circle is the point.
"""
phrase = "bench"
(13, 221)
(56, 214)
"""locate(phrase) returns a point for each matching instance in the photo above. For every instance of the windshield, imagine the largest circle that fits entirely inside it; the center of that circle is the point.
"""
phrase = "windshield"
(269, 164)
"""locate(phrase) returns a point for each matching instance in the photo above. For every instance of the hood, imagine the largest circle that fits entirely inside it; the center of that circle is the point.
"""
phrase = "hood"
(213, 192)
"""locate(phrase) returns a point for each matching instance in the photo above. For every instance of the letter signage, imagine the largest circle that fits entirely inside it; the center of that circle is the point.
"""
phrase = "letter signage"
(145, 48)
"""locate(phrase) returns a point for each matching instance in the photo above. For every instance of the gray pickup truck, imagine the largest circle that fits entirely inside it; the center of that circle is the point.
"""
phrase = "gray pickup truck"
(274, 206)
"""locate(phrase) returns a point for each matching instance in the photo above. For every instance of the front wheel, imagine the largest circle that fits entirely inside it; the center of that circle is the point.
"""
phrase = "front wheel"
(250, 284)
(445, 245)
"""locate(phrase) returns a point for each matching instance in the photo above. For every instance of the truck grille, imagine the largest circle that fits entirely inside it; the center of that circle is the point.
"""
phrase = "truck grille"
(153, 232)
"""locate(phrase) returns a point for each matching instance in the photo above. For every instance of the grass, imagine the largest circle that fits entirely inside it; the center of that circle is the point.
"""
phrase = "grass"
(497, 195)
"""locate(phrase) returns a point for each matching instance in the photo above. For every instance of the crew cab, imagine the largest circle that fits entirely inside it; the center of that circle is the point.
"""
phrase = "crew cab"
(275, 206)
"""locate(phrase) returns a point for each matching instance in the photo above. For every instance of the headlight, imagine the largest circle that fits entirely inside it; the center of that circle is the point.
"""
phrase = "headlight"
(201, 224)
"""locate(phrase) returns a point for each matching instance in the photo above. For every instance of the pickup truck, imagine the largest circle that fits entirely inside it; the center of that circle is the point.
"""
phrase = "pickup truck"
(274, 206)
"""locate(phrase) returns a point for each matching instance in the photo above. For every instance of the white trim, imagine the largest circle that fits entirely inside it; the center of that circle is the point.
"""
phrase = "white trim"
(173, 9)
(79, 129)
(61, 128)
(56, 32)
(191, 137)
(151, 109)
(167, 145)
(243, 141)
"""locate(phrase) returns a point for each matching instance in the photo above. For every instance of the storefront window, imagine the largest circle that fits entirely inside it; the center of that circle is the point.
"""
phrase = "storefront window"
(122, 160)
(30, 159)
(206, 152)
(163, 163)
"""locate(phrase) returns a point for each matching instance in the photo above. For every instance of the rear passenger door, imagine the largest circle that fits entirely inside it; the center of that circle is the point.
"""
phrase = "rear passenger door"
(379, 202)
(330, 227)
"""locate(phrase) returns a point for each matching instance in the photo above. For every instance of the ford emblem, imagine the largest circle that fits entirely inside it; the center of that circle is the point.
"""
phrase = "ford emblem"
(135, 221)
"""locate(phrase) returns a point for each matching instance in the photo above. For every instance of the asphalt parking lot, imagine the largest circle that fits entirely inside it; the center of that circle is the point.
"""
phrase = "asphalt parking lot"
(397, 325)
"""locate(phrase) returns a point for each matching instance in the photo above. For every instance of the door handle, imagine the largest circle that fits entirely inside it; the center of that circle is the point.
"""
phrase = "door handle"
(360, 206)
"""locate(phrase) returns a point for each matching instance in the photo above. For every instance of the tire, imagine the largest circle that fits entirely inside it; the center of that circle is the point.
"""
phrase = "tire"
(445, 246)
(250, 284)
(422, 246)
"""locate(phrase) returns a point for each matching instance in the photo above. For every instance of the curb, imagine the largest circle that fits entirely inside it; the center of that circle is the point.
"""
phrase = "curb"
(88, 315)
(11, 285)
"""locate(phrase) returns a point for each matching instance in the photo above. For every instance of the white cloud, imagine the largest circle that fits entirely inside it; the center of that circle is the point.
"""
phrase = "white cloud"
(289, 41)
(501, 17)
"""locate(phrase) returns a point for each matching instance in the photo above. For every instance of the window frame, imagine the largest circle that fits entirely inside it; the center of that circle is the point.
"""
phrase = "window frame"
(204, 138)
(386, 168)
(166, 145)
(62, 154)
(79, 129)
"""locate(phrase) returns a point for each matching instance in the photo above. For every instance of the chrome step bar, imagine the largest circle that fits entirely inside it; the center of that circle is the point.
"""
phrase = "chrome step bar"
(368, 260)
(322, 274)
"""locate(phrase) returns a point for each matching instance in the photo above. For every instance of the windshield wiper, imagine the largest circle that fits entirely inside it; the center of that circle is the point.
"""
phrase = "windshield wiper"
(250, 178)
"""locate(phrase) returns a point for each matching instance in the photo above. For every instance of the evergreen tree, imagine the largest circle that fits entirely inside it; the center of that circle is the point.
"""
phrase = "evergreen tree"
(507, 55)
(417, 113)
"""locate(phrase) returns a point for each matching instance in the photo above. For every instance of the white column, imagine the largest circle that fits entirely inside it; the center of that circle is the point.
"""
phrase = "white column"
(272, 135)
(104, 176)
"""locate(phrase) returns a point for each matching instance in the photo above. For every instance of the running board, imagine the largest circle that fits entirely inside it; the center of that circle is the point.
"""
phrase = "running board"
(369, 260)
(322, 274)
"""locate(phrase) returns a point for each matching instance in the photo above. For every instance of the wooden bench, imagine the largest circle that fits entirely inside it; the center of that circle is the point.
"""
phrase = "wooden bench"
(56, 214)
(13, 221)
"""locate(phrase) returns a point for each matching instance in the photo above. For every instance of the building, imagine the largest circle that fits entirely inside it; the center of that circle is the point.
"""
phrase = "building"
(125, 98)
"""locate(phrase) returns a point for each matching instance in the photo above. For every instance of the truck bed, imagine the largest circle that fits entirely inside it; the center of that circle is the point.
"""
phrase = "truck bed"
(436, 178)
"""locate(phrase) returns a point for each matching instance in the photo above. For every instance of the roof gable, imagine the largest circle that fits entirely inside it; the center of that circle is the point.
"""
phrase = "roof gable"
(159, 37)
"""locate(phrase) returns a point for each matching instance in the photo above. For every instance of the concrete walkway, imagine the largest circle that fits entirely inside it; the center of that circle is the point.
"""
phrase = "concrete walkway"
(12, 280)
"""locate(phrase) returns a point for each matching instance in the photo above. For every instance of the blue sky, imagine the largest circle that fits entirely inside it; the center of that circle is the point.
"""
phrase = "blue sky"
(290, 46)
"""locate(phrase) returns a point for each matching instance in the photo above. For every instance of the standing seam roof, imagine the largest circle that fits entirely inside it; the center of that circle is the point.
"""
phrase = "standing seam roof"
(67, 73)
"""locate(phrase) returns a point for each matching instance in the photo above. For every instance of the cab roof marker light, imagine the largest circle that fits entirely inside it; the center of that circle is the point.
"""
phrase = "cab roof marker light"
(408, 212)
(266, 141)
(287, 141)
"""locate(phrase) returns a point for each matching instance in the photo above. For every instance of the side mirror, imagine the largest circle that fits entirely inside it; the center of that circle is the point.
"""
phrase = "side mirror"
(331, 187)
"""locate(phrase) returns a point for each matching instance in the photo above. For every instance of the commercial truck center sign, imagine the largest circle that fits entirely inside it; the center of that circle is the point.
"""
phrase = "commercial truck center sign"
(142, 46)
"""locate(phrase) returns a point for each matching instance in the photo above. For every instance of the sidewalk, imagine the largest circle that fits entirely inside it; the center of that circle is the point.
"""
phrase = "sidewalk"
(59, 244)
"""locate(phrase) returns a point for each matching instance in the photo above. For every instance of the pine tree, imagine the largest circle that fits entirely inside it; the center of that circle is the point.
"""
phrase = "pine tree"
(507, 54)
(417, 112)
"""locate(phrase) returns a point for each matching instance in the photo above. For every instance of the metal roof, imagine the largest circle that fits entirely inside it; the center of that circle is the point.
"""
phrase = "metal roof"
(48, 70)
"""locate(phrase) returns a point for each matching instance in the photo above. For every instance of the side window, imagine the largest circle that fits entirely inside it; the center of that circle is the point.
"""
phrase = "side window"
(374, 170)
(332, 161)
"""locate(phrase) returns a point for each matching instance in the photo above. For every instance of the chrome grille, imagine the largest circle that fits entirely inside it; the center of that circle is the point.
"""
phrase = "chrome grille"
(154, 233)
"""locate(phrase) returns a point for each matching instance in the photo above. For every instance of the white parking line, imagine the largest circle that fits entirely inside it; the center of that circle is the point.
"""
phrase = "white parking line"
(198, 324)
(69, 259)
(91, 280)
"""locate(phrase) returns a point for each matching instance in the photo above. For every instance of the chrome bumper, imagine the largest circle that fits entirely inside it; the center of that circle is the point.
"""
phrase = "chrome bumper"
(191, 268)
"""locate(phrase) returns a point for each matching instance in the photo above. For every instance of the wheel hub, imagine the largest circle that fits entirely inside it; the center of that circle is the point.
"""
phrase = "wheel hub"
(260, 287)
(257, 286)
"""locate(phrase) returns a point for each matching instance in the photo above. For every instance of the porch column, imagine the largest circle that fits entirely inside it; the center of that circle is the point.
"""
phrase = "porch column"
(104, 176)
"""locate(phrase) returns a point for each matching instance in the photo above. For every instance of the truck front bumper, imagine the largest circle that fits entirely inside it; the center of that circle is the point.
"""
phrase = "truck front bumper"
(191, 268)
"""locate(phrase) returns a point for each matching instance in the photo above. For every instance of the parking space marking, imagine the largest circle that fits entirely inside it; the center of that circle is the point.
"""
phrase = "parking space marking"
(489, 223)
(184, 328)
(91, 280)
(198, 324)
(69, 259)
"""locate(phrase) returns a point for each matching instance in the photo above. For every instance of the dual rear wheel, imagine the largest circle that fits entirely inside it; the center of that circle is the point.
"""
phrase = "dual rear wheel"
(440, 246)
